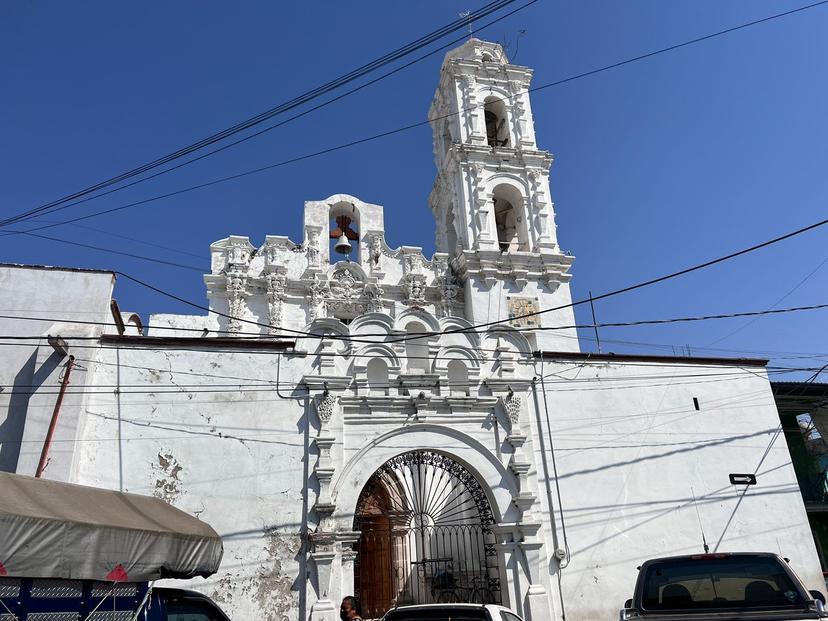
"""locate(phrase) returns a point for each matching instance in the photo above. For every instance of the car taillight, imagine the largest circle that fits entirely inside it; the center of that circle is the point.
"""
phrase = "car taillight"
(707, 557)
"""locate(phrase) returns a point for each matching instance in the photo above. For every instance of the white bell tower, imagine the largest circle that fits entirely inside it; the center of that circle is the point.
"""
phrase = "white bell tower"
(491, 197)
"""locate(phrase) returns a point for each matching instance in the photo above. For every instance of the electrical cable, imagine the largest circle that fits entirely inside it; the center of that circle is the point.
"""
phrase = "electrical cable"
(297, 101)
(554, 466)
(776, 354)
(194, 268)
(602, 296)
(271, 386)
(616, 324)
(420, 123)
(258, 133)
(772, 306)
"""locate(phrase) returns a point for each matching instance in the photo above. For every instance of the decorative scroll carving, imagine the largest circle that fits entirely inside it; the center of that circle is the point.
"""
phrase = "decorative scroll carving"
(275, 301)
(449, 287)
(236, 295)
(374, 295)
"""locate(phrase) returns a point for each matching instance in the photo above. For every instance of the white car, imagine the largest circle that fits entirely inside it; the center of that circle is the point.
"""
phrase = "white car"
(451, 612)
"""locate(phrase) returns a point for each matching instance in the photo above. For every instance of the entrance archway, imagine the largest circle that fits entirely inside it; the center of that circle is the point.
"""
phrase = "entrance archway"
(426, 535)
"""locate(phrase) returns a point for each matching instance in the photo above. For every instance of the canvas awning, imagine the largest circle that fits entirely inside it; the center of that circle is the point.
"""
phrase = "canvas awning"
(59, 530)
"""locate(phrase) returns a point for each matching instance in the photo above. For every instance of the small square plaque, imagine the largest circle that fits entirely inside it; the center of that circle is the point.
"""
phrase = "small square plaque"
(520, 306)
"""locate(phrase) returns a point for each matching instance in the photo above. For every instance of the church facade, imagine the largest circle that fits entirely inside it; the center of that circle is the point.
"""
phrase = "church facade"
(355, 418)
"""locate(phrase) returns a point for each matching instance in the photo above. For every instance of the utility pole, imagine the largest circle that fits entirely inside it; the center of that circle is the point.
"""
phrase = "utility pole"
(594, 323)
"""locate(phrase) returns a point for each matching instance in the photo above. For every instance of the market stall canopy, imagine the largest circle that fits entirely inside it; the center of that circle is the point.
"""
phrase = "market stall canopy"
(59, 530)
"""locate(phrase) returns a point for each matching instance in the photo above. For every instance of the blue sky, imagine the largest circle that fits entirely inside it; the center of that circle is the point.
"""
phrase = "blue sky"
(658, 165)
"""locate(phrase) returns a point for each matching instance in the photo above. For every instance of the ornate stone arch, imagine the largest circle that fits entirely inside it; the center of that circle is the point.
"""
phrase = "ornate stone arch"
(372, 352)
(449, 324)
(511, 335)
(432, 324)
(448, 354)
(499, 482)
(373, 323)
(335, 348)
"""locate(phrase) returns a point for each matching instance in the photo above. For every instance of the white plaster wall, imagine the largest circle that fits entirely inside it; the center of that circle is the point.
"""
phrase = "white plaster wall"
(30, 373)
(236, 458)
(632, 451)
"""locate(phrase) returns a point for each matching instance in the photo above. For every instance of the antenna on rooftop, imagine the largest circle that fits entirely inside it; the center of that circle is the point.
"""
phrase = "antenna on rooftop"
(466, 14)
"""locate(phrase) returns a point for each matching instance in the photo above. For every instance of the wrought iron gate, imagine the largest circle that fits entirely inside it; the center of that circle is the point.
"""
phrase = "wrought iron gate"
(426, 536)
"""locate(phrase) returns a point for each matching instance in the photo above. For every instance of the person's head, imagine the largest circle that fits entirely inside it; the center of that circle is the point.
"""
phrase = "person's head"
(349, 609)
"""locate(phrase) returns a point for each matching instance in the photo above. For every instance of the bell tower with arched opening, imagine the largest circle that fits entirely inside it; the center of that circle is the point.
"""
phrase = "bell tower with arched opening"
(491, 198)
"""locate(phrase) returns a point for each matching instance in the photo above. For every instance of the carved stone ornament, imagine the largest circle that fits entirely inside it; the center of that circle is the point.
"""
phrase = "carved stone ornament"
(238, 256)
(315, 297)
(312, 250)
(344, 285)
(374, 294)
(512, 404)
(274, 254)
(414, 264)
(275, 297)
(449, 288)
(376, 251)
(325, 407)
(415, 289)
(236, 296)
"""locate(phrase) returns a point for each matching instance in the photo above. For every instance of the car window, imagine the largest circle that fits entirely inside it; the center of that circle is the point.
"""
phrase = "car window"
(719, 583)
(184, 610)
(508, 616)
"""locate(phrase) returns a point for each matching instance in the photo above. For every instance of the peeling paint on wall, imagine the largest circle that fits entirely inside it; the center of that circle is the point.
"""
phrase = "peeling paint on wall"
(272, 587)
(167, 470)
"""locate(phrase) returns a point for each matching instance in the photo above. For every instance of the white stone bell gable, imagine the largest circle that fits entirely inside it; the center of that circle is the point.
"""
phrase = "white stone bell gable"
(283, 286)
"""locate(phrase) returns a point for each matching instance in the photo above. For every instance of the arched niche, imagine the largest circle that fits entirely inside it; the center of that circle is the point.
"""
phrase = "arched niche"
(377, 376)
(365, 382)
(325, 326)
(497, 121)
(510, 218)
(458, 331)
(417, 350)
(344, 220)
(503, 335)
(452, 378)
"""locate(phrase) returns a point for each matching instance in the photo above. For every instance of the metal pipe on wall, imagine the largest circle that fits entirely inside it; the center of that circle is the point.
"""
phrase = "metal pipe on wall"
(44, 454)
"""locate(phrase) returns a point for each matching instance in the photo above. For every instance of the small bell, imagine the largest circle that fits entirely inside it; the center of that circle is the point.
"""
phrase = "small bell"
(343, 246)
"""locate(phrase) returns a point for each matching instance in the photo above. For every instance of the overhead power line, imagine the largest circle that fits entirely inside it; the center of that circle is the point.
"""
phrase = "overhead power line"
(667, 347)
(405, 50)
(149, 388)
(411, 126)
(615, 324)
(476, 327)
(265, 129)
(141, 257)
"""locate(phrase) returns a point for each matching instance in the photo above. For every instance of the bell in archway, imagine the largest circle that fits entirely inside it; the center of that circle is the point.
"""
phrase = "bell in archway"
(343, 246)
